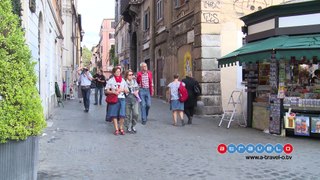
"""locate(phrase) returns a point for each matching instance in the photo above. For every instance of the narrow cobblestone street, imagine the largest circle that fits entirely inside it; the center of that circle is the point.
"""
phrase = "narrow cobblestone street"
(78, 145)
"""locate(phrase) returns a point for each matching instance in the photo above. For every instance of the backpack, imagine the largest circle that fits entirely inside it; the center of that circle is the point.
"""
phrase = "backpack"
(183, 93)
(197, 89)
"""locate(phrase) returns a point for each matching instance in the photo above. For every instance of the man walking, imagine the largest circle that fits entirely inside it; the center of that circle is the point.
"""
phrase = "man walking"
(144, 79)
(100, 84)
(86, 79)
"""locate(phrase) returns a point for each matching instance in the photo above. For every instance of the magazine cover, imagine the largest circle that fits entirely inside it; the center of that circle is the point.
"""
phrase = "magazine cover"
(315, 124)
(302, 126)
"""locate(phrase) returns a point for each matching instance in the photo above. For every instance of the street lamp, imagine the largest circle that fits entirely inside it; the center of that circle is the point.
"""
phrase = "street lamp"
(81, 34)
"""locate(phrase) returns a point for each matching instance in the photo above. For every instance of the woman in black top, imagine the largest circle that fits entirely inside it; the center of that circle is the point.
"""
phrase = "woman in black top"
(189, 105)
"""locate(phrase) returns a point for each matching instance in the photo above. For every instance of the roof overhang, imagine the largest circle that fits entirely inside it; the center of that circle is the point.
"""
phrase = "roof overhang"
(283, 47)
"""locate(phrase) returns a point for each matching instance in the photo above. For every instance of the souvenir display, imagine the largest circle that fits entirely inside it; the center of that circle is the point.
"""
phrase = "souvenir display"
(302, 125)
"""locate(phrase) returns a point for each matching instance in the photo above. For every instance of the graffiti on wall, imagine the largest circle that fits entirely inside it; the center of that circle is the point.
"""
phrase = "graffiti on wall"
(211, 11)
(187, 64)
(211, 4)
(211, 17)
(248, 6)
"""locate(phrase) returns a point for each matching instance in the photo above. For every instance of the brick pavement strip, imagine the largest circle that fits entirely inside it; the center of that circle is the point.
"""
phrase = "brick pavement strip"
(81, 145)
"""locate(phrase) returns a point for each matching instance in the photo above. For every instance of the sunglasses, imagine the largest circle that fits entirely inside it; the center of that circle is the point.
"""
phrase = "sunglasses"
(130, 74)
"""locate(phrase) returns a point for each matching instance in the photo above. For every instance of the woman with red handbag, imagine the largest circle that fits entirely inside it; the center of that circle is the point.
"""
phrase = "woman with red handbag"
(116, 89)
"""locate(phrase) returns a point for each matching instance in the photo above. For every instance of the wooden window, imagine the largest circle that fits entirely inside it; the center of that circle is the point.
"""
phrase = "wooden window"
(146, 20)
(159, 10)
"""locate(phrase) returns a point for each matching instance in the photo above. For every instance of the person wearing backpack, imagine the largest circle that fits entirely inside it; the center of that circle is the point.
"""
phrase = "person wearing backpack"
(176, 106)
(194, 90)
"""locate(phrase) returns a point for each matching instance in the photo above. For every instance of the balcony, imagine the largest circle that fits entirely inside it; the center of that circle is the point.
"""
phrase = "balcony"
(124, 6)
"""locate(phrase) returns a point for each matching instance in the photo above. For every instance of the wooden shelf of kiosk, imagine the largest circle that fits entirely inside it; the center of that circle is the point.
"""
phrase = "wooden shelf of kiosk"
(306, 110)
(302, 110)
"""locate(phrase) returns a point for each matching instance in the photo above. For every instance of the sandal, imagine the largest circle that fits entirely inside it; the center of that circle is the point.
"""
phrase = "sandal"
(121, 131)
(116, 132)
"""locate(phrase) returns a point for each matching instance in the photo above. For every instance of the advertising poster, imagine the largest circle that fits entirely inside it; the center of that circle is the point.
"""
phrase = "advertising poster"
(315, 125)
(289, 120)
(187, 64)
(302, 126)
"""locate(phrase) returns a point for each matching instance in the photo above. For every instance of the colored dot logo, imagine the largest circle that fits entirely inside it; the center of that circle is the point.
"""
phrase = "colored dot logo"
(222, 148)
(288, 148)
(251, 148)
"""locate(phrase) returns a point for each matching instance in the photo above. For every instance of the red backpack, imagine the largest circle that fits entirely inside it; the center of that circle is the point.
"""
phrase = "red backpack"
(183, 92)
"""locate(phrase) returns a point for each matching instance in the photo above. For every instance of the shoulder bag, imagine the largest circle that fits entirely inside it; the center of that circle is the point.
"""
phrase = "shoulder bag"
(112, 98)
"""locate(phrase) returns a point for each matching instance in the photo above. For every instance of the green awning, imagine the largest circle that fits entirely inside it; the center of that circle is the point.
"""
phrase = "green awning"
(284, 47)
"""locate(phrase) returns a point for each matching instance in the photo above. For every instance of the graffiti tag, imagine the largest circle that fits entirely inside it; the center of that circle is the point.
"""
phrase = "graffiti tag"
(211, 17)
(212, 4)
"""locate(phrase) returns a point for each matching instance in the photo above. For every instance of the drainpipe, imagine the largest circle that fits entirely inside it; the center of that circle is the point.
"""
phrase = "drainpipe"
(73, 38)
(152, 41)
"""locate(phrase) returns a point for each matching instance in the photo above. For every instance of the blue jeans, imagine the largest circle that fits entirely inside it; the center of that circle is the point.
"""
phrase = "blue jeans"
(100, 91)
(86, 91)
(145, 103)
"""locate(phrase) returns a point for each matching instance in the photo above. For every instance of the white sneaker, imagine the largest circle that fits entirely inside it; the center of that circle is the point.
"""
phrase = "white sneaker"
(128, 130)
(134, 130)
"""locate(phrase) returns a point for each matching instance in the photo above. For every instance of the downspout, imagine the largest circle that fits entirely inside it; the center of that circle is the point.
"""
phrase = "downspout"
(74, 35)
(152, 42)
(73, 38)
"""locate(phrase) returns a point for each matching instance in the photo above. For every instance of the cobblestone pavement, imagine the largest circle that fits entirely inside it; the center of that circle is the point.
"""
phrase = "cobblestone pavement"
(78, 145)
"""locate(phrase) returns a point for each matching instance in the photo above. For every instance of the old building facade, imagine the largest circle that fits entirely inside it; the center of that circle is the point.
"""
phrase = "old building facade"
(71, 34)
(122, 43)
(43, 24)
(45, 36)
(186, 37)
(106, 42)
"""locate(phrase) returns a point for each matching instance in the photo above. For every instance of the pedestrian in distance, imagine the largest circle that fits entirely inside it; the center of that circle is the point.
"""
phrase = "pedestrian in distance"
(117, 111)
(144, 79)
(132, 102)
(85, 81)
(79, 85)
(64, 89)
(100, 85)
(194, 90)
(176, 106)
(79, 91)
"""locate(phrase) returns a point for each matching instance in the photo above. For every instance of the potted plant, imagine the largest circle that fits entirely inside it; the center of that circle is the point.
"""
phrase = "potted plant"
(21, 113)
